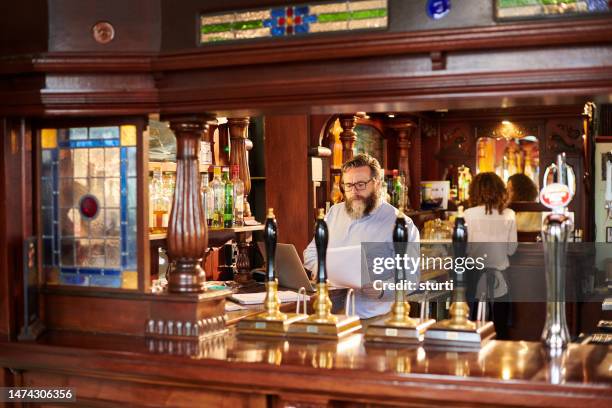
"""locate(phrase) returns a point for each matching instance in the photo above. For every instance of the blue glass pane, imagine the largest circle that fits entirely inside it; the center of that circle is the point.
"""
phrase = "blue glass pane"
(310, 19)
(46, 169)
(278, 31)
(301, 10)
(74, 279)
(111, 132)
(131, 161)
(47, 222)
(269, 22)
(131, 192)
(112, 223)
(105, 281)
(46, 193)
(67, 252)
(301, 29)
(77, 133)
(47, 249)
(279, 12)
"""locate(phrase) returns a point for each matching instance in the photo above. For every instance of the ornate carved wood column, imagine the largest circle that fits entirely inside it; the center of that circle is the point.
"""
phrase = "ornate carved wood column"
(187, 232)
(238, 129)
(348, 136)
(209, 136)
(404, 131)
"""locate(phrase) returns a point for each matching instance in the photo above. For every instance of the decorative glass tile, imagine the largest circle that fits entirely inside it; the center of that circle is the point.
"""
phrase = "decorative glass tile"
(128, 135)
(508, 9)
(96, 226)
(112, 223)
(77, 133)
(82, 252)
(104, 132)
(65, 163)
(97, 253)
(66, 191)
(111, 159)
(111, 192)
(112, 253)
(48, 138)
(46, 169)
(129, 280)
(294, 20)
(81, 162)
(96, 162)
(67, 252)
(96, 189)
(131, 192)
(88, 180)
(131, 161)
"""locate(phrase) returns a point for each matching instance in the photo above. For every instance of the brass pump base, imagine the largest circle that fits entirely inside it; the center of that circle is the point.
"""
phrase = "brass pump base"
(323, 324)
(458, 332)
(271, 322)
(411, 332)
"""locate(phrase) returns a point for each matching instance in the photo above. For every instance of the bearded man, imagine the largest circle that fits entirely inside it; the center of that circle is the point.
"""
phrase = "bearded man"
(362, 217)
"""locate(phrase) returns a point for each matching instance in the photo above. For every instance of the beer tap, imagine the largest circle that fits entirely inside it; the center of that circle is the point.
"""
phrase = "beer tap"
(556, 230)
(270, 322)
(400, 327)
(322, 324)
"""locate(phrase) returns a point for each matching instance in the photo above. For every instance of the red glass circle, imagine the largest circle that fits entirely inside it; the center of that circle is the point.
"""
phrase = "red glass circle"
(89, 206)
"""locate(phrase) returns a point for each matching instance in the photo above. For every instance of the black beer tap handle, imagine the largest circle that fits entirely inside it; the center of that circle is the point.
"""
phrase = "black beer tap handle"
(270, 234)
(321, 239)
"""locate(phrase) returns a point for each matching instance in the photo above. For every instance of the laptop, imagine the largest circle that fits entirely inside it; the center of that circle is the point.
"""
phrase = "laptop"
(289, 268)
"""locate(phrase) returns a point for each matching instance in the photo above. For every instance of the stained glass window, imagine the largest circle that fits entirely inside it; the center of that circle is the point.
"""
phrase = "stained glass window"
(508, 9)
(294, 20)
(88, 206)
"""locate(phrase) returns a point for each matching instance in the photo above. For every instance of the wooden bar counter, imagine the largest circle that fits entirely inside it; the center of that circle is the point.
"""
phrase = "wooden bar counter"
(233, 371)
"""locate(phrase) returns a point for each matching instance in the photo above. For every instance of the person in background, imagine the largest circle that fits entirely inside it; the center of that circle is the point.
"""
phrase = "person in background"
(521, 188)
(491, 231)
(363, 217)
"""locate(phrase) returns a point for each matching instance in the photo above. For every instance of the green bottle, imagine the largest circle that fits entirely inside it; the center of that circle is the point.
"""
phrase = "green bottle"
(228, 213)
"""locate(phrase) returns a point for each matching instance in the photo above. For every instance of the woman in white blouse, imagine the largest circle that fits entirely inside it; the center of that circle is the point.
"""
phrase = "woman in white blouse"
(491, 231)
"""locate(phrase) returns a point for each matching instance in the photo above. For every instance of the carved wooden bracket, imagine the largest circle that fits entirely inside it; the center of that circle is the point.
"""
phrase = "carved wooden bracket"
(238, 129)
(187, 232)
(438, 60)
(209, 136)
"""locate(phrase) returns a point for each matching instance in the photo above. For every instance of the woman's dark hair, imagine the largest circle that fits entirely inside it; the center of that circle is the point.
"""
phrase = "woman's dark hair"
(523, 188)
(489, 190)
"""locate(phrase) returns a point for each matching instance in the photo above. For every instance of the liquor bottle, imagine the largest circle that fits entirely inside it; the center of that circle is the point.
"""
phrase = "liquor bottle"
(228, 208)
(160, 204)
(238, 196)
(218, 189)
(208, 199)
(398, 190)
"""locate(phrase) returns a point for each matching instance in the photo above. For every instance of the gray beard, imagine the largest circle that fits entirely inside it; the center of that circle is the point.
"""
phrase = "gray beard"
(357, 208)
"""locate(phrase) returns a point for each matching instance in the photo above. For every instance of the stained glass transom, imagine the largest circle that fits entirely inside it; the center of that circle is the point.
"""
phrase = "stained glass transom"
(294, 20)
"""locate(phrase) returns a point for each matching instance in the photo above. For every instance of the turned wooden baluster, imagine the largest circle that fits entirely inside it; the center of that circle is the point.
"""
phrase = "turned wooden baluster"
(348, 136)
(238, 129)
(210, 137)
(187, 232)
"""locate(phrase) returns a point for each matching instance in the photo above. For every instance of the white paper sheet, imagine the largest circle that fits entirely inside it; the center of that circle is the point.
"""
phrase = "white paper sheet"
(344, 266)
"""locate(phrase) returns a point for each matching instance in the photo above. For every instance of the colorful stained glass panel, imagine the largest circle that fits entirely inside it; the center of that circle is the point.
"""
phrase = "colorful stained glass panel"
(88, 181)
(294, 20)
(510, 9)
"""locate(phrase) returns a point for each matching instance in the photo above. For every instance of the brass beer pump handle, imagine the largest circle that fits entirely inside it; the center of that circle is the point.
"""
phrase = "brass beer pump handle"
(271, 302)
(322, 303)
(400, 310)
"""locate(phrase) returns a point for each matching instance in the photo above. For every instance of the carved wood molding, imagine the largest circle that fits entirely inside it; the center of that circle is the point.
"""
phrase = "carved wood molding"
(348, 136)
(525, 34)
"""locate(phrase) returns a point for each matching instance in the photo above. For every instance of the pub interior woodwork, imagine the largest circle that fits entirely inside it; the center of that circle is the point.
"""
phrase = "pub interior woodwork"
(436, 98)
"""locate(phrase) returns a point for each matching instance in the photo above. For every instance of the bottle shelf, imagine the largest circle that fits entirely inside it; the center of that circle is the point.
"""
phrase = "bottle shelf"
(170, 167)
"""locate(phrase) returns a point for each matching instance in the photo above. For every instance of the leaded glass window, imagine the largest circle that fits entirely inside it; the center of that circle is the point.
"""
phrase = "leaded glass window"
(88, 206)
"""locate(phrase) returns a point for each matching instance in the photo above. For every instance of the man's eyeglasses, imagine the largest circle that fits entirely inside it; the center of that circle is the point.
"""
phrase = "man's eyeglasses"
(358, 186)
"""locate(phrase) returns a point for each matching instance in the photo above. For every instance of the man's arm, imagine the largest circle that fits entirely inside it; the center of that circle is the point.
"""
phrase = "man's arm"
(310, 257)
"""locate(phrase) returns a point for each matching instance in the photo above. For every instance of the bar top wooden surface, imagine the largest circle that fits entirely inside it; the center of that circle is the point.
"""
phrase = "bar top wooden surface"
(502, 373)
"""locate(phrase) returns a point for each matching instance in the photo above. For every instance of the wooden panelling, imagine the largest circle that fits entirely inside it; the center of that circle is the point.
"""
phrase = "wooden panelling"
(287, 177)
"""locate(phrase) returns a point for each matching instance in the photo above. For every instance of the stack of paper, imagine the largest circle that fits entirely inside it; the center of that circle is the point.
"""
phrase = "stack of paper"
(258, 298)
